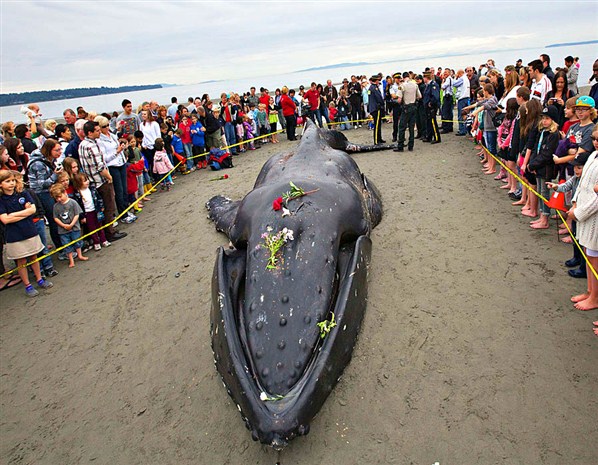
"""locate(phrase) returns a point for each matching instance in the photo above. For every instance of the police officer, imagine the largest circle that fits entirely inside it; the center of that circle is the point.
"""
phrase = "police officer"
(420, 115)
(394, 105)
(431, 98)
(375, 108)
(408, 97)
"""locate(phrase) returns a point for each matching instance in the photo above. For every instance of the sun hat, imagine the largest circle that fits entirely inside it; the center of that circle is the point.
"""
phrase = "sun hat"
(585, 101)
(216, 108)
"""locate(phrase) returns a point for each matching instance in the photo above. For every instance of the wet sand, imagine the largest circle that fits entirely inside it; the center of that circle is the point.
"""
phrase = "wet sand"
(470, 351)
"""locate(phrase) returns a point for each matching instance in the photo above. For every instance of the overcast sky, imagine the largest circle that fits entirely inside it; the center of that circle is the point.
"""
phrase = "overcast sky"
(59, 44)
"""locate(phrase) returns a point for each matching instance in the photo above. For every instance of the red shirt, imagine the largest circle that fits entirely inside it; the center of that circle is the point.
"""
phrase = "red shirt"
(133, 169)
(568, 124)
(287, 105)
(265, 99)
(313, 97)
(186, 128)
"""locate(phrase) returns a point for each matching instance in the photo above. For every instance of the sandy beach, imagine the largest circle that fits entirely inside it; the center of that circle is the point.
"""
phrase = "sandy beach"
(470, 352)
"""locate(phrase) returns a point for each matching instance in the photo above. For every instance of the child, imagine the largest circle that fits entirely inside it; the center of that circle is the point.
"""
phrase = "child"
(22, 240)
(505, 135)
(240, 129)
(167, 134)
(262, 122)
(185, 127)
(135, 171)
(47, 266)
(541, 163)
(162, 165)
(488, 107)
(178, 151)
(93, 207)
(571, 186)
(198, 141)
(273, 120)
(64, 179)
(249, 134)
(570, 115)
(66, 215)
(332, 111)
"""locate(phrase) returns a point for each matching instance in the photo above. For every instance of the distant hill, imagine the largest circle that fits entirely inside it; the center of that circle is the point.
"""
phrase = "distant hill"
(338, 65)
(569, 44)
(62, 94)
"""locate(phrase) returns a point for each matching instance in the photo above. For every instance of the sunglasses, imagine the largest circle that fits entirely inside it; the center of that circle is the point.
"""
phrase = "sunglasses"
(595, 139)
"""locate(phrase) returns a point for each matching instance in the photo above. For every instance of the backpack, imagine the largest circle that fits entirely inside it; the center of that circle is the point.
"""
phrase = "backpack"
(219, 159)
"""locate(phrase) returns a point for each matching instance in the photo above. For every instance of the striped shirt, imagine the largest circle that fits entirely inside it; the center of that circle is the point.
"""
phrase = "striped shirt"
(92, 161)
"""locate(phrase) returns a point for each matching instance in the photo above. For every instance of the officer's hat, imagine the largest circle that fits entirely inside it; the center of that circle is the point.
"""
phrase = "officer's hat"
(375, 77)
(396, 76)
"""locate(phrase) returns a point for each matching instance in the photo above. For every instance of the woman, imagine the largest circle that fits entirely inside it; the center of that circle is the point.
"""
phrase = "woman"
(114, 157)
(16, 151)
(585, 212)
(151, 131)
(162, 114)
(559, 95)
(43, 172)
(288, 111)
(323, 107)
(524, 78)
(511, 86)
(8, 130)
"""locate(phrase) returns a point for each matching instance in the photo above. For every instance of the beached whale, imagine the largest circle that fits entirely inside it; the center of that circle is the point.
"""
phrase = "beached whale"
(284, 321)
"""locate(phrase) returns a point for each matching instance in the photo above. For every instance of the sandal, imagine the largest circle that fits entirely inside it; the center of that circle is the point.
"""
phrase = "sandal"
(12, 282)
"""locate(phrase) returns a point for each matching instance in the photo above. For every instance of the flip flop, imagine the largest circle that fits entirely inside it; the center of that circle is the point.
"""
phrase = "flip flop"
(12, 282)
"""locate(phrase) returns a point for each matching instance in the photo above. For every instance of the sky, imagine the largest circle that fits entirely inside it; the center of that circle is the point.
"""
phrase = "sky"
(61, 44)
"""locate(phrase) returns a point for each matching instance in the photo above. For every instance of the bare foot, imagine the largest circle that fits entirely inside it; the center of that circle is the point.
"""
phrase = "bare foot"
(579, 297)
(506, 186)
(489, 172)
(586, 305)
(596, 331)
(82, 258)
(595, 323)
(529, 213)
(563, 231)
(536, 221)
(540, 225)
(519, 202)
(567, 240)
(72, 265)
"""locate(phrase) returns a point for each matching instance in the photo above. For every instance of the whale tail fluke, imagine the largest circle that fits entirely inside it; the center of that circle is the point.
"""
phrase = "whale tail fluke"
(222, 211)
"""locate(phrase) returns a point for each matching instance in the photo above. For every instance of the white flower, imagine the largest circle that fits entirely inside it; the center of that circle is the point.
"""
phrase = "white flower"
(263, 396)
(289, 235)
(285, 212)
(269, 229)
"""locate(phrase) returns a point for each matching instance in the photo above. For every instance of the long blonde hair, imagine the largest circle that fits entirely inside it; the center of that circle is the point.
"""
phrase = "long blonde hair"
(5, 175)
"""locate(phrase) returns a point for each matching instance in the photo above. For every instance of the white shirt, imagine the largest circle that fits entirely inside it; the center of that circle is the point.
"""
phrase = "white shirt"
(88, 205)
(108, 146)
(512, 94)
(541, 88)
(151, 131)
(462, 85)
(172, 110)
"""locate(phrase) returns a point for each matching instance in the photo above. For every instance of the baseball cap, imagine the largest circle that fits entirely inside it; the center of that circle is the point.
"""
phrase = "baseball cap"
(585, 101)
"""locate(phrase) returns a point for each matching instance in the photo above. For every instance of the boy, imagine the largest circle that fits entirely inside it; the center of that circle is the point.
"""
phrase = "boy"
(570, 115)
(178, 150)
(199, 142)
(66, 216)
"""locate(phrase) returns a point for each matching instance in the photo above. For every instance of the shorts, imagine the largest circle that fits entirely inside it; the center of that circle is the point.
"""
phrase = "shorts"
(23, 249)
(70, 237)
(591, 252)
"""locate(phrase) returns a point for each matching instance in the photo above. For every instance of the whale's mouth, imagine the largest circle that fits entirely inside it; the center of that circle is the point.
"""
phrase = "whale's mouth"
(276, 418)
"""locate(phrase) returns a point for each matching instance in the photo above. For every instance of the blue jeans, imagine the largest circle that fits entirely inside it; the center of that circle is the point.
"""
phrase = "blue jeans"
(48, 203)
(41, 231)
(490, 137)
(461, 103)
(119, 182)
(544, 191)
(231, 136)
(70, 237)
(324, 112)
(344, 125)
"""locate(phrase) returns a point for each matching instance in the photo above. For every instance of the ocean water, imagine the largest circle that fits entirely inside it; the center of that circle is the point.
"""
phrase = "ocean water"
(108, 103)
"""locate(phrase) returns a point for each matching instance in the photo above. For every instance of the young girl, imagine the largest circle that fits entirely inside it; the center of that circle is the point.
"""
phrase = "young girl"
(249, 134)
(135, 170)
(66, 215)
(540, 161)
(505, 134)
(530, 119)
(22, 241)
(92, 205)
(162, 165)
(240, 132)
(262, 122)
(332, 111)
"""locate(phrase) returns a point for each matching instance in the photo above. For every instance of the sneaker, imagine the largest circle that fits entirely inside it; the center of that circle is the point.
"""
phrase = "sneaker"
(97, 247)
(106, 244)
(115, 224)
(87, 247)
(51, 272)
(62, 256)
(186, 172)
(31, 292)
(44, 284)
(128, 220)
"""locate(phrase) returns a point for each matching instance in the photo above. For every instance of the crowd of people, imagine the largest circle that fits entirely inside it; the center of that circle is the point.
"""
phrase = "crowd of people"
(72, 177)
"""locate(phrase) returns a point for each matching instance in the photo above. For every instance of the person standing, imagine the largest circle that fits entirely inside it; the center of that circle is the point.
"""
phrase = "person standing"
(375, 108)
(420, 114)
(127, 122)
(546, 69)
(289, 109)
(92, 163)
(394, 104)
(541, 84)
(447, 102)
(355, 100)
(572, 75)
(462, 86)
(431, 99)
(172, 109)
(408, 96)
(330, 93)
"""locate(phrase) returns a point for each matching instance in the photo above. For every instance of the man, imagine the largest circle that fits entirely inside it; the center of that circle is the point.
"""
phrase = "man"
(172, 109)
(127, 122)
(72, 149)
(252, 99)
(420, 114)
(213, 130)
(546, 69)
(191, 105)
(518, 65)
(541, 85)
(153, 108)
(572, 75)
(375, 108)
(92, 163)
(462, 86)
(70, 117)
(431, 98)
(23, 133)
(355, 100)
(407, 96)
(393, 105)
(313, 97)
(474, 83)
(447, 102)
(330, 92)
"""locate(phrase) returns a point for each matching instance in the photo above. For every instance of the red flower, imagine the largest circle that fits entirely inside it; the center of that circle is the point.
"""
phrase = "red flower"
(277, 204)
(225, 176)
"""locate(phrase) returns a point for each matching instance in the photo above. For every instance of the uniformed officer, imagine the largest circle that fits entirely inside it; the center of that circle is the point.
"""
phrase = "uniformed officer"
(431, 98)
(420, 115)
(395, 104)
(375, 108)
(408, 96)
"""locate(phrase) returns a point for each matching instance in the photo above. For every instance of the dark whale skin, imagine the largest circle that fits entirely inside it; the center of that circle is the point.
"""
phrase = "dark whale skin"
(266, 342)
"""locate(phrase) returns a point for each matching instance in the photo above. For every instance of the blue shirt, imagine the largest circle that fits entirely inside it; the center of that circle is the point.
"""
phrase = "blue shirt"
(21, 230)
(197, 135)
(177, 145)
